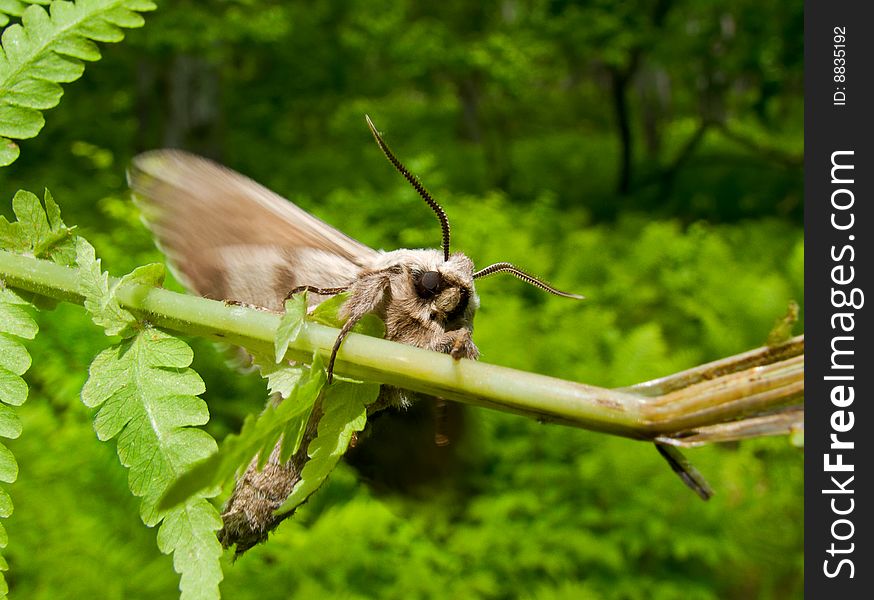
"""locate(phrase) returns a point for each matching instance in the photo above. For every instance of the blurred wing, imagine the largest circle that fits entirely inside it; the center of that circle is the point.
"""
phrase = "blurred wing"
(230, 238)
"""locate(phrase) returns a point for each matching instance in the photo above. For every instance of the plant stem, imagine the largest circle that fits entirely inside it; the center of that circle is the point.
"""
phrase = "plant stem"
(730, 389)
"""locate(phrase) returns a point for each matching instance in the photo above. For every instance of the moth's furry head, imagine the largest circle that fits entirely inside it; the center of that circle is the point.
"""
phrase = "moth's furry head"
(423, 299)
(436, 290)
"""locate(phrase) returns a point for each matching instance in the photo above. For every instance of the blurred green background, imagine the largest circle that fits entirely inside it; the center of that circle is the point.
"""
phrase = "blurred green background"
(644, 153)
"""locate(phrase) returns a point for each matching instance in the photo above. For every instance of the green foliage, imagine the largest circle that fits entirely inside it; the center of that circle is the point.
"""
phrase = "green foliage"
(47, 49)
(16, 8)
(300, 386)
(100, 298)
(290, 324)
(15, 322)
(284, 422)
(146, 396)
(38, 231)
(345, 412)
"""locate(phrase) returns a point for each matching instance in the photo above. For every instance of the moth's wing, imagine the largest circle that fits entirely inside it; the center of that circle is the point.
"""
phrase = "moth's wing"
(231, 238)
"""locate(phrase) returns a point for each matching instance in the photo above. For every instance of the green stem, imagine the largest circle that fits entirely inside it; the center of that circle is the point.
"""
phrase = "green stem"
(362, 357)
(733, 388)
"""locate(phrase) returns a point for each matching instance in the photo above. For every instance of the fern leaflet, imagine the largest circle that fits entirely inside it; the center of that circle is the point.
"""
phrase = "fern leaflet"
(290, 324)
(16, 8)
(47, 49)
(345, 405)
(38, 232)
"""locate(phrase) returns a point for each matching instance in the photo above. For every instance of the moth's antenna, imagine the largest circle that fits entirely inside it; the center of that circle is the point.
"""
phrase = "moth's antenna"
(505, 267)
(444, 221)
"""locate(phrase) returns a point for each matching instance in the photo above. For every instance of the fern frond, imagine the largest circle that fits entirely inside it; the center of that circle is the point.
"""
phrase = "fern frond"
(146, 398)
(16, 322)
(47, 49)
(290, 324)
(38, 232)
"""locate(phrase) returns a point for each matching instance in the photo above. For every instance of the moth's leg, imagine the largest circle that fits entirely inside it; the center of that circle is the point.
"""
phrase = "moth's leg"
(440, 418)
(316, 290)
(368, 293)
(458, 344)
(347, 327)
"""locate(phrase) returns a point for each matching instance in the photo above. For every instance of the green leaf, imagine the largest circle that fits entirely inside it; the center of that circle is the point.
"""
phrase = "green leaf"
(11, 237)
(16, 321)
(290, 324)
(9, 152)
(328, 311)
(47, 49)
(53, 212)
(10, 423)
(100, 300)
(345, 412)
(13, 297)
(40, 232)
(16, 7)
(36, 93)
(282, 380)
(145, 396)
(20, 123)
(63, 252)
(259, 434)
(189, 533)
(31, 216)
(13, 390)
(11, 7)
(13, 355)
(8, 465)
(151, 274)
(100, 297)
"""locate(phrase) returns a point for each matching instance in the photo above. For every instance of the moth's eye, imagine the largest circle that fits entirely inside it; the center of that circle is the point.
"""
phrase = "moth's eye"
(429, 284)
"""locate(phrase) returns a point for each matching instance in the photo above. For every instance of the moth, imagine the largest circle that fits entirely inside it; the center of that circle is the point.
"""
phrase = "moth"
(229, 238)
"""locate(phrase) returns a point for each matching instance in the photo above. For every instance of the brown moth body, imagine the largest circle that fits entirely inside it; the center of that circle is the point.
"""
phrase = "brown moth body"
(229, 238)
